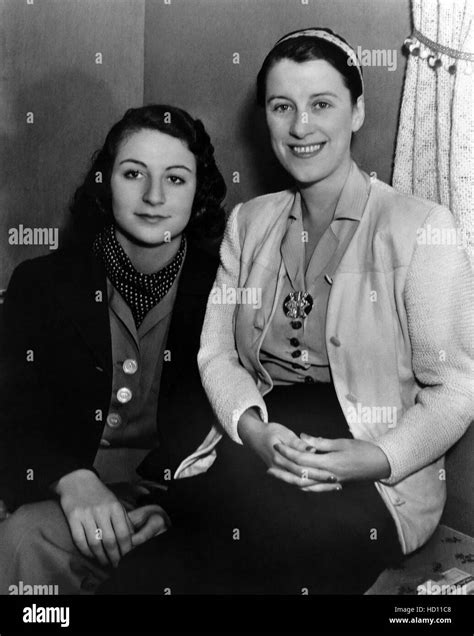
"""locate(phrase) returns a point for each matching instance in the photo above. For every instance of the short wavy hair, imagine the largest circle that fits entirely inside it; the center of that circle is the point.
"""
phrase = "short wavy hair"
(91, 205)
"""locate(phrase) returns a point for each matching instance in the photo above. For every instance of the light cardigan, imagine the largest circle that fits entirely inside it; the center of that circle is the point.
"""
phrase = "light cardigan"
(399, 335)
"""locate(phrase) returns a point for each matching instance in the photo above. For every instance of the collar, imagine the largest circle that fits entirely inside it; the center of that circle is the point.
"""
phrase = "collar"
(354, 194)
(156, 314)
(352, 199)
(350, 207)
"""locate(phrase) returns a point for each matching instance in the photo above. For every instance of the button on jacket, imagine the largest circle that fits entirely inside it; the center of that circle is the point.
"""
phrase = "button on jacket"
(137, 364)
(399, 334)
(131, 423)
(56, 372)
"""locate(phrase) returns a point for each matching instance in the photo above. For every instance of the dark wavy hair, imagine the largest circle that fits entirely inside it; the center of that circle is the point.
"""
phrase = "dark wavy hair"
(304, 49)
(91, 205)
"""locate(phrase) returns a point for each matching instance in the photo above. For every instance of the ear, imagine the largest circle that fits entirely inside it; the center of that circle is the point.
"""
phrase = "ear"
(358, 114)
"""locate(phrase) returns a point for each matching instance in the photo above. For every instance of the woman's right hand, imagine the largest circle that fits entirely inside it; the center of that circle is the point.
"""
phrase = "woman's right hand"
(262, 437)
(98, 522)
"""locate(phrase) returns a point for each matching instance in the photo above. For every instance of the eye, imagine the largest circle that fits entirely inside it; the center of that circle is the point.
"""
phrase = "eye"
(321, 105)
(132, 174)
(175, 180)
(281, 108)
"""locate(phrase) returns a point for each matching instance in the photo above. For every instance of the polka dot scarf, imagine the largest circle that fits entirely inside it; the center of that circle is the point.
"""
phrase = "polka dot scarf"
(140, 291)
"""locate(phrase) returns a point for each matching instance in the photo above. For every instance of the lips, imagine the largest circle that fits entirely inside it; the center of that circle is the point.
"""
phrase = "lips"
(306, 150)
(151, 218)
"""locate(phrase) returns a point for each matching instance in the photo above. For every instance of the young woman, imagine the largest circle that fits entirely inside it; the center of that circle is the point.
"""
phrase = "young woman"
(342, 392)
(100, 344)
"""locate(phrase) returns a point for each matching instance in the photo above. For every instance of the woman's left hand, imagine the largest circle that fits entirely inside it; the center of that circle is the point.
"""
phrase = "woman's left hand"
(346, 459)
(148, 522)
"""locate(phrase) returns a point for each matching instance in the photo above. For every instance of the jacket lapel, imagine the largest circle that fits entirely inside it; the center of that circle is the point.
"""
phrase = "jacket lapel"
(195, 283)
(268, 264)
(81, 288)
(352, 203)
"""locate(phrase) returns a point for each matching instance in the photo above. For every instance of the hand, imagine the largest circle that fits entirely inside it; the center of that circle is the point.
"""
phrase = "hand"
(346, 459)
(148, 521)
(262, 438)
(98, 522)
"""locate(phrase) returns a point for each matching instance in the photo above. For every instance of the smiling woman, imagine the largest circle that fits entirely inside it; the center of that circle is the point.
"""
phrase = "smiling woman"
(310, 114)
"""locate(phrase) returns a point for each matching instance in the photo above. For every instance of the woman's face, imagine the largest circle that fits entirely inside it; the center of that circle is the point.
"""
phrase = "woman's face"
(153, 185)
(311, 118)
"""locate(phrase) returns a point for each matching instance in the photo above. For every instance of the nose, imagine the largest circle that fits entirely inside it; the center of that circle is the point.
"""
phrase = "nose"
(154, 192)
(300, 124)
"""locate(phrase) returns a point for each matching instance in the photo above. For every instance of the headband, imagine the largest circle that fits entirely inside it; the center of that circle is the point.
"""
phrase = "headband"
(333, 39)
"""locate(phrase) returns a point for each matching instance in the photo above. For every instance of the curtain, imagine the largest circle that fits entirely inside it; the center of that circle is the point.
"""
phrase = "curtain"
(435, 143)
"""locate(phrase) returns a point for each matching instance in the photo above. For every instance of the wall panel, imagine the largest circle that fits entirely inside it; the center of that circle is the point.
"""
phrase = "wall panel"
(189, 49)
(48, 67)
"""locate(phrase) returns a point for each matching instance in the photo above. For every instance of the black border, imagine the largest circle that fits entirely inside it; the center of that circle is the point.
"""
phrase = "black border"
(242, 614)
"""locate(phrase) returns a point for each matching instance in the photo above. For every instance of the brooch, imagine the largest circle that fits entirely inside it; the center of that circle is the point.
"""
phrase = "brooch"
(297, 304)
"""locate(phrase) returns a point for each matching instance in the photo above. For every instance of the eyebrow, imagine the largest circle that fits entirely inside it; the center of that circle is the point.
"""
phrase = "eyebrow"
(310, 97)
(145, 166)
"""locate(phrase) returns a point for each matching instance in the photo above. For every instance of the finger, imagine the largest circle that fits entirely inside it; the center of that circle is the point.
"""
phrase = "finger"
(79, 537)
(306, 458)
(323, 444)
(296, 443)
(128, 508)
(289, 478)
(137, 518)
(94, 534)
(322, 488)
(278, 461)
(140, 515)
(155, 525)
(121, 527)
(131, 527)
(109, 540)
(303, 468)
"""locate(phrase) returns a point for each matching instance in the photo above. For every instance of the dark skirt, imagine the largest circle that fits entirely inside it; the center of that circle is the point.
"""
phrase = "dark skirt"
(237, 530)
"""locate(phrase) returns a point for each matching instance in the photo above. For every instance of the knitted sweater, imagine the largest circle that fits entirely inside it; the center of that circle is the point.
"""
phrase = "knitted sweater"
(399, 336)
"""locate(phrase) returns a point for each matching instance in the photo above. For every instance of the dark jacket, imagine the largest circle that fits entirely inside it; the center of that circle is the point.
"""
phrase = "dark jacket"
(56, 371)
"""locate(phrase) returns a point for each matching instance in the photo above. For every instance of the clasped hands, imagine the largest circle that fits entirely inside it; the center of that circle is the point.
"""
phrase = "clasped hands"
(313, 464)
(101, 525)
